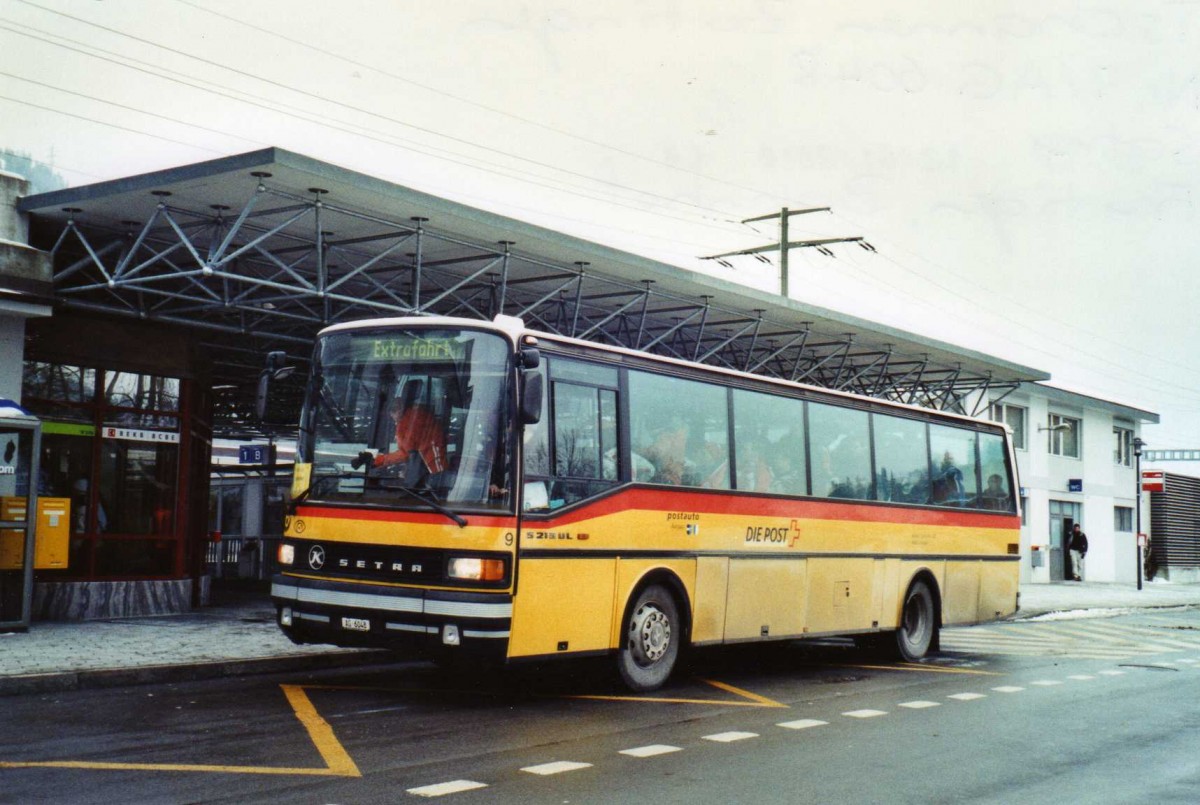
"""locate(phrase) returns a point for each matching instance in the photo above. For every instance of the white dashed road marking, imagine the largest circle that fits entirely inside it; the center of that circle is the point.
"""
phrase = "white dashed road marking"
(441, 789)
(650, 751)
(557, 767)
(802, 724)
(653, 750)
(730, 737)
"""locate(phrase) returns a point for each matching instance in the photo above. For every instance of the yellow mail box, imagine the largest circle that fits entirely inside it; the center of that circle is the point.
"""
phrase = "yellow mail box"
(52, 533)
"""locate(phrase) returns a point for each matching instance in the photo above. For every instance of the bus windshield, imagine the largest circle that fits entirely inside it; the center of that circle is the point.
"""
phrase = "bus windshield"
(410, 418)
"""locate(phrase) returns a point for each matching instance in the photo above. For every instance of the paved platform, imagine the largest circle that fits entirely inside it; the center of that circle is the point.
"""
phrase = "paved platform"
(238, 636)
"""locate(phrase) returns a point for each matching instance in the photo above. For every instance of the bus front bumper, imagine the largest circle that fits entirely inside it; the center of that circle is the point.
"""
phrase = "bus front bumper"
(355, 614)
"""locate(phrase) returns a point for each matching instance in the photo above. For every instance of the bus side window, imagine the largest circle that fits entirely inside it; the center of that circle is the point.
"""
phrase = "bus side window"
(901, 459)
(768, 432)
(953, 458)
(841, 452)
(584, 459)
(679, 431)
(996, 494)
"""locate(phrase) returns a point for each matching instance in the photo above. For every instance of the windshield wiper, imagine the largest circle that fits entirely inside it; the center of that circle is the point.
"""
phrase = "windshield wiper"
(428, 501)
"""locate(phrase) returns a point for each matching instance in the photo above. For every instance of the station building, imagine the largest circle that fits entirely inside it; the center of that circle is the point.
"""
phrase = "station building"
(136, 314)
(1076, 464)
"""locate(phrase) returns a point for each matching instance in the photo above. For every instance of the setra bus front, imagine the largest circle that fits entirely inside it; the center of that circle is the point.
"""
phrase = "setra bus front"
(402, 530)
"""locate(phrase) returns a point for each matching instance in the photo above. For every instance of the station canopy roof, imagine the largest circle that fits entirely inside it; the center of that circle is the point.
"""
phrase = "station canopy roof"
(258, 251)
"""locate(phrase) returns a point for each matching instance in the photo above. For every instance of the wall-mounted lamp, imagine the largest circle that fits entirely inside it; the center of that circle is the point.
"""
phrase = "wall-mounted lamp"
(1059, 426)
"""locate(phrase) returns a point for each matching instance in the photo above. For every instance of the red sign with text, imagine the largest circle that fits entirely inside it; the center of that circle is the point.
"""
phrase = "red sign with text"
(1153, 480)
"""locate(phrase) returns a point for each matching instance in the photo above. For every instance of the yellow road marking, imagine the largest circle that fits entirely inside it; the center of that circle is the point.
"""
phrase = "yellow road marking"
(336, 757)
(933, 669)
(763, 700)
(754, 699)
(338, 762)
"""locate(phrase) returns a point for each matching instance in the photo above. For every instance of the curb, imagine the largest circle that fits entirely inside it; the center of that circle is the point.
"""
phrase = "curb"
(91, 679)
(1103, 611)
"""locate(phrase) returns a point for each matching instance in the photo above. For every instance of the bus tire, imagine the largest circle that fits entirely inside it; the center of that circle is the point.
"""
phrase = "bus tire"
(650, 640)
(918, 622)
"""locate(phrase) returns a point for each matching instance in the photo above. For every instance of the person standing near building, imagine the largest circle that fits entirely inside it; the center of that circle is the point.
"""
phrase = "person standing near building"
(1078, 547)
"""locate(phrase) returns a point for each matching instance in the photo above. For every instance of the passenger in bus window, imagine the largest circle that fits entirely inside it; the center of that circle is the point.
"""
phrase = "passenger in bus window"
(667, 451)
(787, 465)
(995, 496)
(948, 483)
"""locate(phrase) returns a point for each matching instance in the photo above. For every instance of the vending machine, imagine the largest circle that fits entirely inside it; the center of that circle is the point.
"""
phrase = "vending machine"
(20, 448)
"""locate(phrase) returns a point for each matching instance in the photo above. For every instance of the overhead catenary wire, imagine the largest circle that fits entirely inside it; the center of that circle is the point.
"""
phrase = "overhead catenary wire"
(726, 217)
(260, 102)
(1072, 326)
(470, 102)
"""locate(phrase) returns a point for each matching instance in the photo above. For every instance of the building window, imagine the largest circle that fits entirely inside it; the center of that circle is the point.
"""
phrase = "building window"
(111, 444)
(1014, 417)
(1064, 435)
(1123, 446)
(1122, 518)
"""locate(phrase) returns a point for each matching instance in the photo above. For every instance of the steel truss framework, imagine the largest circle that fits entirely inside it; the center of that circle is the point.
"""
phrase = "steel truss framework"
(270, 274)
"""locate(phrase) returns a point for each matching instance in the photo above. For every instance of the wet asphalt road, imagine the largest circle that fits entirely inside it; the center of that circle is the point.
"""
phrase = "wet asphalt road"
(1103, 710)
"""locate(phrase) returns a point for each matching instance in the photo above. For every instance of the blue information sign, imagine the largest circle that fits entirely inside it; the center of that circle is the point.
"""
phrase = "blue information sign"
(252, 454)
(1074, 484)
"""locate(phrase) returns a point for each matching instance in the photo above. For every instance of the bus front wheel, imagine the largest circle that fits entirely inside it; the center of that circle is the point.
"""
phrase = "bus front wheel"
(918, 622)
(650, 640)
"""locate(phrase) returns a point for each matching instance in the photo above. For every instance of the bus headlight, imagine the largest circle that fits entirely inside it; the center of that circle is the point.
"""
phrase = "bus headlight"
(475, 568)
(286, 553)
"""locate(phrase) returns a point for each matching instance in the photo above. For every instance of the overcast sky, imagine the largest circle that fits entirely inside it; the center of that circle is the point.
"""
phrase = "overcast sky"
(1027, 171)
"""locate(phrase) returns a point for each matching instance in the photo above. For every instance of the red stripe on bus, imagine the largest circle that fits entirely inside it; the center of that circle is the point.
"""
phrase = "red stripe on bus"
(671, 501)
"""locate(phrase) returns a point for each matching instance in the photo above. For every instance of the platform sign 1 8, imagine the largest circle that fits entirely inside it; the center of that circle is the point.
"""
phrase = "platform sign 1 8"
(253, 453)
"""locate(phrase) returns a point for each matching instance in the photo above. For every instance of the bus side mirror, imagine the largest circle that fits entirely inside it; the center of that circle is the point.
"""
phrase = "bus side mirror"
(532, 383)
(529, 358)
(276, 369)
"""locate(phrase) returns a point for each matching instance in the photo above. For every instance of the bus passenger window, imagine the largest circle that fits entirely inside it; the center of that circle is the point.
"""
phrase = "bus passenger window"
(996, 495)
(901, 459)
(953, 457)
(679, 431)
(841, 455)
(768, 432)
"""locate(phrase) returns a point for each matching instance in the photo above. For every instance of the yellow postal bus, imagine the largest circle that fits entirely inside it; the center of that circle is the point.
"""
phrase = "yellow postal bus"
(470, 487)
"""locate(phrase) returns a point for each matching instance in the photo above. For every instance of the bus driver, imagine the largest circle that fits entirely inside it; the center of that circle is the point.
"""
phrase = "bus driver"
(420, 440)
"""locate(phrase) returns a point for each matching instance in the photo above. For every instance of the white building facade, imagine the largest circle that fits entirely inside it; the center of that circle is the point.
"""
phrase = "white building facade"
(1075, 459)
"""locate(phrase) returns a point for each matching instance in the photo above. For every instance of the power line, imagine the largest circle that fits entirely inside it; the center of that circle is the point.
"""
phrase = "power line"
(1019, 304)
(468, 101)
(110, 125)
(364, 111)
(384, 138)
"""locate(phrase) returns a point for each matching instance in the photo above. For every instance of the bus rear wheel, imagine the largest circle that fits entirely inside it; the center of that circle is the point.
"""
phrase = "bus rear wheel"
(918, 623)
(650, 640)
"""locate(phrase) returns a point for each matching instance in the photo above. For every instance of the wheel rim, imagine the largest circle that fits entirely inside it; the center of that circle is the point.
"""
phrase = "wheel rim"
(916, 618)
(649, 634)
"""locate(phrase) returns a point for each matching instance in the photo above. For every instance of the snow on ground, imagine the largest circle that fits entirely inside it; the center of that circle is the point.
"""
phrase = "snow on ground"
(1069, 600)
